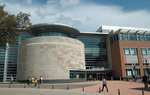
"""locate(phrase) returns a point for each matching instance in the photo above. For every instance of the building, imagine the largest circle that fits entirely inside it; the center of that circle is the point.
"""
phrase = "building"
(61, 52)
(130, 51)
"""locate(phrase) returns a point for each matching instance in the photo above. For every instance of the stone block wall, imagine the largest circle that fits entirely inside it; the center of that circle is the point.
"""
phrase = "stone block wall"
(50, 57)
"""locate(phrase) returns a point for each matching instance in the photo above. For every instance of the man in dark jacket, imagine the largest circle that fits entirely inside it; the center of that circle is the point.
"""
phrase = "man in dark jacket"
(145, 81)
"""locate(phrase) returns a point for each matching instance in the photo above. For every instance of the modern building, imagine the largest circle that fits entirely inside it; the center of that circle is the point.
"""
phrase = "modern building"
(61, 52)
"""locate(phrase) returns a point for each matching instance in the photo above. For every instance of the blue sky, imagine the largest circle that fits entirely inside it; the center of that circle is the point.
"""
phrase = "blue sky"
(85, 15)
(127, 5)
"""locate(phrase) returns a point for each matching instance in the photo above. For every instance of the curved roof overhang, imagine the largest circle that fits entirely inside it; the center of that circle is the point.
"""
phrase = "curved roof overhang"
(61, 28)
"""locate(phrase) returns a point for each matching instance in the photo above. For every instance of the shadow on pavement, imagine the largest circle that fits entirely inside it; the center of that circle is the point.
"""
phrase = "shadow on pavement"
(142, 89)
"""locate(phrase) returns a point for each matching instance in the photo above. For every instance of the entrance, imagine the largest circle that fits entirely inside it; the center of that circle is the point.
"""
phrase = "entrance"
(98, 76)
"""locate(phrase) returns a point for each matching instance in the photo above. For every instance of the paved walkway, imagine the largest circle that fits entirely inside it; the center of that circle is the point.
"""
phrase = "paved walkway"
(21, 91)
(90, 88)
(126, 88)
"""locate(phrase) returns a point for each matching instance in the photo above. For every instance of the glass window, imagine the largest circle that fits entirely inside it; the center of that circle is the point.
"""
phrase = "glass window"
(125, 36)
(128, 72)
(77, 74)
(137, 72)
(52, 34)
(133, 51)
(146, 71)
(144, 51)
(95, 50)
(121, 36)
(147, 37)
(132, 36)
(142, 37)
(149, 51)
(126, 51)
(138, 37)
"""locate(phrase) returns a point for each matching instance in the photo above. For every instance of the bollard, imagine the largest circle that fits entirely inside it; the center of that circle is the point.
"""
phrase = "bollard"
(120, 78)
(118, 91)
(142, 92)
(83, 88)
(24, 86)
(9, 85)
(52, 86)
(99, 89)
(67, 87)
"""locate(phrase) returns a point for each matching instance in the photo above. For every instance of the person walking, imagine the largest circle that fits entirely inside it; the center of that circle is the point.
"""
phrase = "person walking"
(104, 84)
(145, 81)
(35, 82)
(11, 79)
(28, 80)
(41, 80)
(90, 77)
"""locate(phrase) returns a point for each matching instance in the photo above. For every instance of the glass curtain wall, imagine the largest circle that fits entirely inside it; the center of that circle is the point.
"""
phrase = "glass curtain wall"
(2, 62)
(130, 36)
(11, 58)
(52, 34)
(95, 52)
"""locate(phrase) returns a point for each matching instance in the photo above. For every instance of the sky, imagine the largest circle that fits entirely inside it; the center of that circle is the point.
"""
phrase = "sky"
(84, 15)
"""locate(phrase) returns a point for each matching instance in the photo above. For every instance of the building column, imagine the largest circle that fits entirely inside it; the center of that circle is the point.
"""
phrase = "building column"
(5, 63)
(140, 61)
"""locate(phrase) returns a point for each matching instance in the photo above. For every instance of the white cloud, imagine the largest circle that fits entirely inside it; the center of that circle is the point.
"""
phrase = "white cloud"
(68, 3)
(68, 20)
(27, 2)
(83, 16)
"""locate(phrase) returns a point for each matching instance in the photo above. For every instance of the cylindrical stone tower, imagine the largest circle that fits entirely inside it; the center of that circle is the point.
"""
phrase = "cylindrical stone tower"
(49, 56)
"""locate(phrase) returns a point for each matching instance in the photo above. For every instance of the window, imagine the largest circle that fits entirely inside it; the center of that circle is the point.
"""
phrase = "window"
(143, 51)
(128, 72)
(133, 51)
(148, 51)
(125, 36)
(147, 71)
(138, 37)
(132, 36)
(130, 51)
(137, 72)
(131, 72)
(147, 37)
(142, 37)
(121, 36)
(126, 51)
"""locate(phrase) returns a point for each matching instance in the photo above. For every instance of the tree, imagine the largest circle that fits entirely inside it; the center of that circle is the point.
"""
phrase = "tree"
(10, 25)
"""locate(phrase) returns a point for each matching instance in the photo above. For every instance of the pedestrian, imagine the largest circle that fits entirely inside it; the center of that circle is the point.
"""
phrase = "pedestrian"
(11, 79)
(104, 84)
(28, 80)
(32, 80)
(102, 77)
(41, 80)
(35, 82)
(145, 81)
(90, 77)
(134, 78)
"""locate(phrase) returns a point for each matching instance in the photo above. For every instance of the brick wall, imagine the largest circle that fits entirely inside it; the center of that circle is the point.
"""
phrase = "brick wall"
(118, 55)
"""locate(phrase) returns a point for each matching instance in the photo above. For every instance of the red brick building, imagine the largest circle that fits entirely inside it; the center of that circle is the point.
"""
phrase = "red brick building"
(129, 50)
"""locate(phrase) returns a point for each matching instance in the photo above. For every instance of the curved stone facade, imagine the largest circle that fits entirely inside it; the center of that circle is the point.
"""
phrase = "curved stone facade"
(50, 57)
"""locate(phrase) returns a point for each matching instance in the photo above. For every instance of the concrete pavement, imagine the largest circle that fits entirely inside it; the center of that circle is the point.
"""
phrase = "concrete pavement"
(90, 88)
(21, 91)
